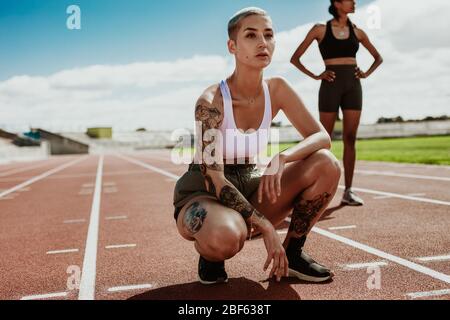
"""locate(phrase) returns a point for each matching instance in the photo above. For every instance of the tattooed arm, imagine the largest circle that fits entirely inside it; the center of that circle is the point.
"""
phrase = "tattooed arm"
(209, 118)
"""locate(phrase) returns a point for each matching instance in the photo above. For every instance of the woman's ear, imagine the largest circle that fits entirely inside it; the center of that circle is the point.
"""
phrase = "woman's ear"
(231, 46)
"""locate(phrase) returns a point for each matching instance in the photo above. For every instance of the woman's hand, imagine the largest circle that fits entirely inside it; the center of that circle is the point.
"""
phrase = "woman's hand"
(270, 183)
(359, 74)
(275, 252)
(327, 75)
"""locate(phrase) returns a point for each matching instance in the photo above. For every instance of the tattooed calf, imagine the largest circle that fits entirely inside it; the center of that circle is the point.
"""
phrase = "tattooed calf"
(194, 217)
(305, 211)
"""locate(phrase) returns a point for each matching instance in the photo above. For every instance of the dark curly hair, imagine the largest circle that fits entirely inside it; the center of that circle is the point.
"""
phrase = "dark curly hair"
(332, 9)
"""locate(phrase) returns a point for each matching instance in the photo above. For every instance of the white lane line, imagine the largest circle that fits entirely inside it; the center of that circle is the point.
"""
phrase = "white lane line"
(415, 295)
(45, 296)
(366, 265)
(110, 190)
(408, 264)
(75, 221)
(118, 246)
(10, 172)
(87, 283)
(435, 258)
(409, 194)
(87, 185)
(396, 195)
(41, 176)
(401, 175)
(128, 288)
(145, 165)
(342, 227)
(116, 218)
(62, 251)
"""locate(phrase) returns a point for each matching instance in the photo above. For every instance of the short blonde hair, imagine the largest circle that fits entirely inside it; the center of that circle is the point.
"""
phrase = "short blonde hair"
(234, 23)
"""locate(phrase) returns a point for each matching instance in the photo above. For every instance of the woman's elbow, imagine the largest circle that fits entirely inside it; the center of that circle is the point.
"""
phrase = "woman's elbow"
(326, 141)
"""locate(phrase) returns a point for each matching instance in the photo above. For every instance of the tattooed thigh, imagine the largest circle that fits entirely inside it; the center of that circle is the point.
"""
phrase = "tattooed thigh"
(194, 218)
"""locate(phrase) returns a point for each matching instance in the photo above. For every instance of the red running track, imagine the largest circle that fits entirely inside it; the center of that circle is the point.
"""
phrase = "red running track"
(112, 216)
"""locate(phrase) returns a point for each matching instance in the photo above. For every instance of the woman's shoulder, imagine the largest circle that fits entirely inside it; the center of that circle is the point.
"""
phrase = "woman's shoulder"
(211, 97)
(277, 82)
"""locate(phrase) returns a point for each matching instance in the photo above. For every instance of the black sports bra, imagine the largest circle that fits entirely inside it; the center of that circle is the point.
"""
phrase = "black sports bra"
(331, 47)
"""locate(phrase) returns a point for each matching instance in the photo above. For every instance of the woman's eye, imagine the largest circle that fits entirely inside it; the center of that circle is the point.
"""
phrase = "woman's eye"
(270, 36)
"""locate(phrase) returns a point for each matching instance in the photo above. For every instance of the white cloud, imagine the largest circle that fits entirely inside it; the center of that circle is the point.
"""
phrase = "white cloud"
(413, 81)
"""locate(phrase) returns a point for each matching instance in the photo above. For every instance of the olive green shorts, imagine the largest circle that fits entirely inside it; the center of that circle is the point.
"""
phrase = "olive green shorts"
(245, 177)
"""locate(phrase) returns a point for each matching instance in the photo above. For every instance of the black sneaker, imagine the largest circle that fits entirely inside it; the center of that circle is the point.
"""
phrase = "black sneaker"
(303, 266)
(211, 272)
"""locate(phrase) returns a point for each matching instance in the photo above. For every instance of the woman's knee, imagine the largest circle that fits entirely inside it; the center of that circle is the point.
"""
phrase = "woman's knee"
(326, 162)
(224, 242)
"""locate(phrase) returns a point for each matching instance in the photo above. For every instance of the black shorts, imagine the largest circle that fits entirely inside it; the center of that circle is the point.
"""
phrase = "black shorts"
(245, 177)
(345, 91)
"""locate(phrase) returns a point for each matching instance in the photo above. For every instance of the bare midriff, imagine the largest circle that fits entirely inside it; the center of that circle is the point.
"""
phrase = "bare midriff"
(340, 61)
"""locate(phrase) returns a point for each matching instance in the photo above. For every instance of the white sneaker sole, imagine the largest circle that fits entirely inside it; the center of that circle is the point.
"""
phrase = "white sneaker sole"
(354, 204)
(301, 276)
(211, 282)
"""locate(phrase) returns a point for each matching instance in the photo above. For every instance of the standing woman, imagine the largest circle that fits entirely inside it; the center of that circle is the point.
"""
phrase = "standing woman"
(338, 43)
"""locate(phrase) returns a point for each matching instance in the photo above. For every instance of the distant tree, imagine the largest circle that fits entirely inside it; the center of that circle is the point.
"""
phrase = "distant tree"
(141, 130)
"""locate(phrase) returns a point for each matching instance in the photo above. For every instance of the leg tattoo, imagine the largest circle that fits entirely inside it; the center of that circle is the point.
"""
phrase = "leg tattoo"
(194, 217)
(305, 211)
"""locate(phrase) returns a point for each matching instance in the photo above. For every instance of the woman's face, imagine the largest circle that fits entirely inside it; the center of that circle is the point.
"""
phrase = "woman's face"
(255, 42)
(346, 6)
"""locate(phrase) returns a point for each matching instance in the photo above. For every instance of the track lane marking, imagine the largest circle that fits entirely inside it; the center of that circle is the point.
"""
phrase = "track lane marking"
(45, 296)
(18, 170)
(75, 221)
(87, 283)
(62, 251)
(434, 258)
(132, 287)
(365, 265)
(401, 175)
(41, 176)
(342, 227)
(118, 246)
(415, 295)
(116, 218)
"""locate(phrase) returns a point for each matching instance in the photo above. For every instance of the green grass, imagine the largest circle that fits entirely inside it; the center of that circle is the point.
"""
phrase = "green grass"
(425, 150)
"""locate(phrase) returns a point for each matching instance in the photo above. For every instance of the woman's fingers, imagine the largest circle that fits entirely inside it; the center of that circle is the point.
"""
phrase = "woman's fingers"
(281, 270)
(273, 195)
(260, 190)
(286, 265)
(278, 184)
(275, 266)
(268, 260)
(266, 189)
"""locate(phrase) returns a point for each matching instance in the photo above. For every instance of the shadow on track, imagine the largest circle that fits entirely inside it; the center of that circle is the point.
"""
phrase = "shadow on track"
(236, 289)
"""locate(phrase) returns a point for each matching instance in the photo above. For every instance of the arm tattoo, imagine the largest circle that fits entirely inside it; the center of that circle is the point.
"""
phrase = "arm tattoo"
(194, 217)
(210, 118)
(231, 198)
(305, 211)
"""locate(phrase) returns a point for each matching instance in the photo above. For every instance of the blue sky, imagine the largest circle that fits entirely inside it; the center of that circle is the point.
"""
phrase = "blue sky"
(35, 40)
(63, 80)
